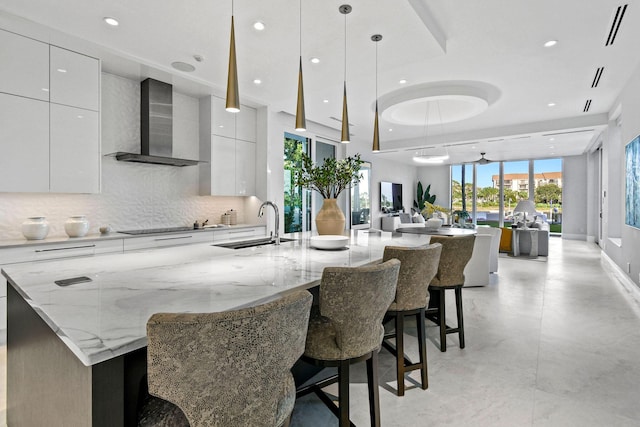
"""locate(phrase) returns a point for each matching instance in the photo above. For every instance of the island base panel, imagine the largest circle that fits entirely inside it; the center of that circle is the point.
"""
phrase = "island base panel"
(48, 385)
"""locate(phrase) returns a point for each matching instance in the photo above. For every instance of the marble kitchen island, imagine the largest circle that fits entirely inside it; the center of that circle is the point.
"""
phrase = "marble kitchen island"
(76, 354)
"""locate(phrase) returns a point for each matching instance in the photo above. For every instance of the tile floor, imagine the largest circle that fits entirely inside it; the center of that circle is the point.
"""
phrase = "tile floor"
(553, 343)
(549, 343)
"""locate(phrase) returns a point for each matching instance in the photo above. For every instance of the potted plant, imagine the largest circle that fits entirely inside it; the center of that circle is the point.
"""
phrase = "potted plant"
(329, 179)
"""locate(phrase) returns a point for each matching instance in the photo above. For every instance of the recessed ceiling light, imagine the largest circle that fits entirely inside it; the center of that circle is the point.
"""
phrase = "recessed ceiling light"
(220, 126)
(551, 104)
(257, 81)
(473, 147)
(62, 70)
(551, 43)
(402, 81)
(81, 117)
(111, 21)
(552, 139)
(258, 25)
(326, 101)
(183, 66)
(315, 60)
(390, 129)
(45, 89)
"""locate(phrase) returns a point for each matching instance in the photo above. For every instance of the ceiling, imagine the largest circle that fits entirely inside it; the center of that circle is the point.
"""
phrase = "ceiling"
(481, 64)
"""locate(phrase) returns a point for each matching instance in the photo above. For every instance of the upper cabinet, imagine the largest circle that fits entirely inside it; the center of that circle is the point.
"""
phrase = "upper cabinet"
(24, 66)
(50, 104)
(228, 144)
(75, 79)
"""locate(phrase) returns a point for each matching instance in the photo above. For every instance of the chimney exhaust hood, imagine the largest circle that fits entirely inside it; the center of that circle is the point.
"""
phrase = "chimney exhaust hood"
(156, 127)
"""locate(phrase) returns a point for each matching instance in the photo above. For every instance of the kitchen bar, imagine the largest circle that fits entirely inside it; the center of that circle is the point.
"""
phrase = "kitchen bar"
(102, 322)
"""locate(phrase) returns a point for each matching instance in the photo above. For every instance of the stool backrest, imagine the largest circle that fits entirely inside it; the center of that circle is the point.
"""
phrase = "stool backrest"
(418, 266)
(228, 368)
(456, 253)
(356, 299)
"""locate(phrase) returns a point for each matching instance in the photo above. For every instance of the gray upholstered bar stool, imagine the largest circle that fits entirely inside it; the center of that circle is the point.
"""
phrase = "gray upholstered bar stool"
(456, 253)
(225, 369)
(347, 328)
(418, 266)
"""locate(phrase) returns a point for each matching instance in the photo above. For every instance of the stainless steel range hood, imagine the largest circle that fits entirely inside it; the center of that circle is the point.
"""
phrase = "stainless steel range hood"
(156, 127)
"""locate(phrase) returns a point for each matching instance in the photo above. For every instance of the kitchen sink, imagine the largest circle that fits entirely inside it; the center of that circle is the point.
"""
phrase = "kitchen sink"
(252, 243)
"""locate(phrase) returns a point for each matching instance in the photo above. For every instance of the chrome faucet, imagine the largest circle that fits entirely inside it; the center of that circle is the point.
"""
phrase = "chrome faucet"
(275, 208)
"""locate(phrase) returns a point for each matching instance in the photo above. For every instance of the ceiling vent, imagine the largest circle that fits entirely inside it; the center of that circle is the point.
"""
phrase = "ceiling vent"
(568, 132)
(339, 120)
(587, 105)
(459, 144)
(596, 79)
(615, 25)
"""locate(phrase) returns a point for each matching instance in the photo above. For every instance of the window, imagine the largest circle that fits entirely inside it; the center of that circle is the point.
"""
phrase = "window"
(296, 199)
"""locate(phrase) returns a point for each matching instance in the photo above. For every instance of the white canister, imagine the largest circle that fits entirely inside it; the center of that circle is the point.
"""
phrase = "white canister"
(76, 226)
(35, 228)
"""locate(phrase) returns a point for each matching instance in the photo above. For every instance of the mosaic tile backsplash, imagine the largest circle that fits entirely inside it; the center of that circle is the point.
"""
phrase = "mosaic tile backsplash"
(133, 196)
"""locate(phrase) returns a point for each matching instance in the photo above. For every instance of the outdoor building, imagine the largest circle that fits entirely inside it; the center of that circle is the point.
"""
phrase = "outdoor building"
(520, 181)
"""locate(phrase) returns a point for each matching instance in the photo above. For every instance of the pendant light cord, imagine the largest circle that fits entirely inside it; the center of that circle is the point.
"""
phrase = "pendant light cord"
(345, 48)
(300, 25)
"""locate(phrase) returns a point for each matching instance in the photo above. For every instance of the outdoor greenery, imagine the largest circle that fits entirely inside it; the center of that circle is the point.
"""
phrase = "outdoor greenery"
(329, 179)
(293, 150)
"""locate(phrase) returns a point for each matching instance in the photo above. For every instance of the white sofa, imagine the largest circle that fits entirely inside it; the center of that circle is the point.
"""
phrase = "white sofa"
(495, 234)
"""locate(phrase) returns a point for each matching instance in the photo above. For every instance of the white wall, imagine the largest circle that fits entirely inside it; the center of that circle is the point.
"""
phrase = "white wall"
(133, 195)
(574, 197)
(626, 253)
(439, 177)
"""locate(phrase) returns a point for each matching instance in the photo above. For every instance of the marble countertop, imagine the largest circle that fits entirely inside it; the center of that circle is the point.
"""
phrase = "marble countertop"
(106, 317)
(15, 243)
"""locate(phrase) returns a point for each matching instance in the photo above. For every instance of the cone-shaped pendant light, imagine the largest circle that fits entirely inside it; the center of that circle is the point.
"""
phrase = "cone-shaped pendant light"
(301, 121)
(376, 131)
(345, 9)
(233, 99)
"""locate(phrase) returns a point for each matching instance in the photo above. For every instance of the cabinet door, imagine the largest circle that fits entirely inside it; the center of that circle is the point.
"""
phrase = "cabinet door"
(24, 66)
(245, 168)
(246, 124)
(223, 123)
(24, 144)
(75, 150)
(223, 166)
(75, 79)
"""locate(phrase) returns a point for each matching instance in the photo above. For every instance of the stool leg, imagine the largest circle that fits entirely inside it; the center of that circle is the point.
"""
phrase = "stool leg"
(400, 352)
(343, 393)
(372, 381)
(422, 347)
(458, 292)
(443, 321)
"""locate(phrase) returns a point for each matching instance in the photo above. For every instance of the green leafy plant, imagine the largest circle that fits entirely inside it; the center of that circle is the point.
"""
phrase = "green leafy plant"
(423, 197)
(330, 178)
(461, 215)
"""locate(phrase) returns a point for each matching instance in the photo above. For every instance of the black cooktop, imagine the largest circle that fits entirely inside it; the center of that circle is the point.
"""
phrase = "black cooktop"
(156, 230)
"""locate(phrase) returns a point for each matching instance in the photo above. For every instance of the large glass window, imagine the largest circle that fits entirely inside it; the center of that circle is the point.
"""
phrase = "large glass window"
(296, 199)
(488, 194)
(516, 187)
(462, 188)
(548, 193)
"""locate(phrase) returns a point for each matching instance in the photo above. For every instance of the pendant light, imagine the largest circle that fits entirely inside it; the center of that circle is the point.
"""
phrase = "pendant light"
(376, 131)
(345, 9)
(233, 99)
(301, 121)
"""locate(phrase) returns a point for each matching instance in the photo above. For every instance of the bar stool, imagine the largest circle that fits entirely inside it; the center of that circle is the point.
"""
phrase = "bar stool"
(225, 369)
(456, 253)
(347, 328)
(418, 266)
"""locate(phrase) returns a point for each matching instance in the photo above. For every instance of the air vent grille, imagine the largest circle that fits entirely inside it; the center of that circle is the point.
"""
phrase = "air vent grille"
(587, 105)
(596, 78)
(615, 25)
(339, 120)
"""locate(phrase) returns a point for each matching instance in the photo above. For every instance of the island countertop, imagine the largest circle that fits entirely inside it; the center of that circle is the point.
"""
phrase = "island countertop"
(107, 317)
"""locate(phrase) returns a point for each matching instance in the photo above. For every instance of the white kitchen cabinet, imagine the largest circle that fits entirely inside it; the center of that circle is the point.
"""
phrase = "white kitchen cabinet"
(24, 144)
(68, 249)
(221, 235)
(166, 240)
(24, 66)
(231, 155)
(245, 173)
(223, 166)
(246, 120)
(50, 105)
(75, 150)
(75, 79)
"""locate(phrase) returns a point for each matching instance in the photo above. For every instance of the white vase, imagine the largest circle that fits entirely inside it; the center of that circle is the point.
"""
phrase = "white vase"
(35, 228)
(76, 226)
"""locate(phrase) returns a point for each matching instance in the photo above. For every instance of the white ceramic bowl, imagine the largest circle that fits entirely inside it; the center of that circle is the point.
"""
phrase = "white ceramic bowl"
(433, 223)
(329, 241)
